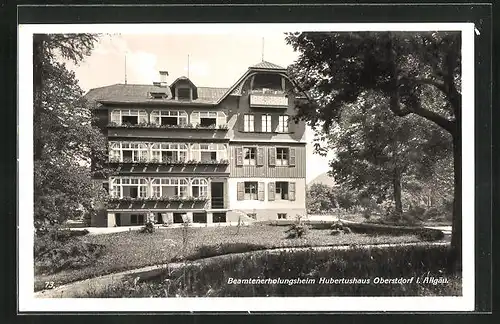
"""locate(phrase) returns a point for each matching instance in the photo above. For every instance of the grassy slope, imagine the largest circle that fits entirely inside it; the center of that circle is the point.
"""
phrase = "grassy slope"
(129, 250)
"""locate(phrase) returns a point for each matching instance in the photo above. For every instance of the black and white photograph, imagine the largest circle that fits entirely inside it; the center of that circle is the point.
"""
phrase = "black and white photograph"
(311, 167)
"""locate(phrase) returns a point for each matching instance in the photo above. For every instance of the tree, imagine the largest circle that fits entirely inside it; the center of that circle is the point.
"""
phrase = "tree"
(335, 68)
(65, 141)
(376, 153)
(320, 198)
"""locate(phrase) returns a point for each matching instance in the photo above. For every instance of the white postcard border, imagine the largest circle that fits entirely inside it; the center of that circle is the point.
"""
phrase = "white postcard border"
(26, 298)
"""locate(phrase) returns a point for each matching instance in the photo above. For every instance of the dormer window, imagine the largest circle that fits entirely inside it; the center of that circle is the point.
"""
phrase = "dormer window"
(184, 89)
(184, 94)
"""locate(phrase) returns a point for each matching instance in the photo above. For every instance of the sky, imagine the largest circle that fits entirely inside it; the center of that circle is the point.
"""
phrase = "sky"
(217, 60)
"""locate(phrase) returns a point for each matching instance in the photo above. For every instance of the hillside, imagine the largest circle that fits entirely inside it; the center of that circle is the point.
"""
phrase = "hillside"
(323, 179)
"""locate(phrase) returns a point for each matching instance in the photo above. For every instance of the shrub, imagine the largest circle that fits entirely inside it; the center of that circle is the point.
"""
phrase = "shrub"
(336, 232)
(207, 251)
(148, 228)
(296, 231)
(382, 229)
(433, 213)
(71, 253)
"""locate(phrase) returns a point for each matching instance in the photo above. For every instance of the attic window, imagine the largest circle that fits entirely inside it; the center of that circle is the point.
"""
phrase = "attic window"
(184, 93)
(158, 95)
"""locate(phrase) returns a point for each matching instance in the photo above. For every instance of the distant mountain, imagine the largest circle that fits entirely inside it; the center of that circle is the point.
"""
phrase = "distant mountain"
(323, 179)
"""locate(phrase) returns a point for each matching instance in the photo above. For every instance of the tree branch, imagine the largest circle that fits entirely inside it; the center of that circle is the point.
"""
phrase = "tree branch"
(434, 117)
(439, 85)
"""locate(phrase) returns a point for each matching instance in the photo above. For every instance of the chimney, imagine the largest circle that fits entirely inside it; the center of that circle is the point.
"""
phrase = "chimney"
(163, 78)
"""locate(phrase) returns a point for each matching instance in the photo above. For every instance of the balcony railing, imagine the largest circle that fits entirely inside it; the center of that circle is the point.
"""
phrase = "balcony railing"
(217, 202)
(179, 127)
(268, 99)
(170, 162)
(153, 199)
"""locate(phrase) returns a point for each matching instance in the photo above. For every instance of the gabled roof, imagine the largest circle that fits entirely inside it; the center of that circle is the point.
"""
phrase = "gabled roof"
(139, 93)
(267, 66)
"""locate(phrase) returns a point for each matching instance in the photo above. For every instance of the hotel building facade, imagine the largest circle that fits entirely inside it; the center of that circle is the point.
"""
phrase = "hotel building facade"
(208, 155)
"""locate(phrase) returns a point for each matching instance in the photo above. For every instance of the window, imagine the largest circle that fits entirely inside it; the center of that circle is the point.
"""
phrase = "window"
(134, 152)
(178, 218)
(282, 155)
(249, 154)
(283, 124)
(199, 217)
(169, 187)
(129, 187)
(251, 191)
(169, 117)
(281, 215)
(266, 123)
(208, 118)
(219, 217)
(129, 116)
(209, 152)
(183, 93)
(281, 191)
(199, 187)
(137, 219)
(169, 152)
(248, 123)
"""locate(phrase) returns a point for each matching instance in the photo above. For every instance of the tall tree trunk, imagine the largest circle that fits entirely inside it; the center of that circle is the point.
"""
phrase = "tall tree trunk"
(456, 233)
(37, 94)
(396, 182)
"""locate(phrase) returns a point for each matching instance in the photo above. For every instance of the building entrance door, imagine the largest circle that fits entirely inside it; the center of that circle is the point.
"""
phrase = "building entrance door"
(217, 195)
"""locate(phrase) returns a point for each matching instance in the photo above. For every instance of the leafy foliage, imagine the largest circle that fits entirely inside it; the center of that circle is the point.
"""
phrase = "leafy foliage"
(320, 198)
(414, 74)
(65, 140)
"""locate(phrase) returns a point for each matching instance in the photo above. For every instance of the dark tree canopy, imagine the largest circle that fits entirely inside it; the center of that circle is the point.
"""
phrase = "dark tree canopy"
(64, 137)
(335, 68)
(417, 73)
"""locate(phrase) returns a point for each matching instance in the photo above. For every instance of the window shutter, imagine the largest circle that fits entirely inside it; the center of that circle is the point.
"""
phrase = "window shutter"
(241, 122)
(261, 191)
(260, 156)
(272, 156)
(291, 191)
(241, 190)
(271, 191)
(257, 122)
(291, 161)
(195, 118)
(239, 156)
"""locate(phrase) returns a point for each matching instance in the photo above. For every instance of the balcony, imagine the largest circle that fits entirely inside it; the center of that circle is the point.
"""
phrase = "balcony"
(172, 127)
(173, 202)
(168, 162)
(268, 99)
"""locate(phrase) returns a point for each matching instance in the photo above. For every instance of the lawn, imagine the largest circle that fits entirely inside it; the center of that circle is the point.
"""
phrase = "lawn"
(129, 250)
(421, 267)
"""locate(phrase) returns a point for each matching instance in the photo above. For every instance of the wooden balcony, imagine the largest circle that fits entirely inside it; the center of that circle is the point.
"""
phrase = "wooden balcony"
(268, 99)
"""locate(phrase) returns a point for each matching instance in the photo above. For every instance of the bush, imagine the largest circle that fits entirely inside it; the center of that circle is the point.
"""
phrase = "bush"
(207, 251)
(296, 231)
(70, 253)
(148, 228)
(427, 234)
